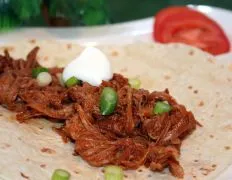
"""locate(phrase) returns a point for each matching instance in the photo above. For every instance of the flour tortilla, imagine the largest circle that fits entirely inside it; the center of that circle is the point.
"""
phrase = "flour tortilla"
(193, 78)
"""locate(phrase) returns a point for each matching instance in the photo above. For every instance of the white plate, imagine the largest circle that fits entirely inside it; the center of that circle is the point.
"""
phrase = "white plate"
(122, 33)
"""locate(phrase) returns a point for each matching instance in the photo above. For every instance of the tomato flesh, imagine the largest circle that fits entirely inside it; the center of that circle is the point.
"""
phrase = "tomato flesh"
(182, 24)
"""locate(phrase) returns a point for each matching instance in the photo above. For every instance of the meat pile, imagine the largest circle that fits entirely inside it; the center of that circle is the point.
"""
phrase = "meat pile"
(131, 137)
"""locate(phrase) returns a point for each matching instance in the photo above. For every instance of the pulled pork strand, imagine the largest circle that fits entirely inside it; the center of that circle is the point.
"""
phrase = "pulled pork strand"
(100, 150)
(130, 137)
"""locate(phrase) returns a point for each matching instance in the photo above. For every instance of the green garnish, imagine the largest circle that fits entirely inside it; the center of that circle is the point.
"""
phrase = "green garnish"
(72, 82)
(113, 173)
(36, 71)
(61, 174)
(135, 83)
(108, 101)
(25, 9)
(96, 4)
(93, 16)
(161, 107)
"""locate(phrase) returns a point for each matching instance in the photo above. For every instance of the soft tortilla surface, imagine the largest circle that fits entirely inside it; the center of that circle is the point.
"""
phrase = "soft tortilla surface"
(193, 78)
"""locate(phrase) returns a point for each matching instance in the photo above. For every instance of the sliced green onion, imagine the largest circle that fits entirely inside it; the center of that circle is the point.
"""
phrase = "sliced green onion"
(135, 83)
(36, 71)
(161, 107)
(113, 173)
(61, 174)
(72, 82)
(108, 101)
(44, 79)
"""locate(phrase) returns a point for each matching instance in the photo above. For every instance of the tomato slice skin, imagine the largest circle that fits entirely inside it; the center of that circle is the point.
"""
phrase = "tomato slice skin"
(182, 24)
(171, 11)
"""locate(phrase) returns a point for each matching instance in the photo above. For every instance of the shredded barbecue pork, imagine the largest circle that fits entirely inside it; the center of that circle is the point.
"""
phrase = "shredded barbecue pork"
(131, 137)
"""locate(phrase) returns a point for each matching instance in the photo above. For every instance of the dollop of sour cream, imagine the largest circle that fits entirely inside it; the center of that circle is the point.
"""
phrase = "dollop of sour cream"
(91, 66)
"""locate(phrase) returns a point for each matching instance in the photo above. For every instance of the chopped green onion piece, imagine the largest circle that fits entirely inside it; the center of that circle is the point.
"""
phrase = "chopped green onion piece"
(61, 174)
(44, 79)
(113, 173)
(135, 83)
(72, 82)
(36, 71)
(161, 107)
(108, 101)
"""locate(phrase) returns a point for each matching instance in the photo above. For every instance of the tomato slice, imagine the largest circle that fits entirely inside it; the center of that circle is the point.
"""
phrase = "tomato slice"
(182, 24)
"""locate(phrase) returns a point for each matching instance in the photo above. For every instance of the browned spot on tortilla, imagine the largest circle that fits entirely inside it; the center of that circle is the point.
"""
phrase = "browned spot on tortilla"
(103, 171)
(27, 159)
(32, 41)
(194, 176)
(41, 127)
(5, 145)
(230, 67)
(211, 115)
(190, 87)
(140, 170)
(210, 60)
(167, 77)
(191, 52)
(227, 147)
(46, 58)
(69, 46)
(216, 105)
(76, 172)
(125, 176)
(196, 160)
(124, 70)
(19, 138)
(228, 127)
(149, 175)
(201, 103)
(208, 169)
(229, 79)
(222, 66)
(214, 165)
(1, 115)
(211, 136)
(43, 165)
(114, 53)
(24, 176)
(195, 91)
(48, 150)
